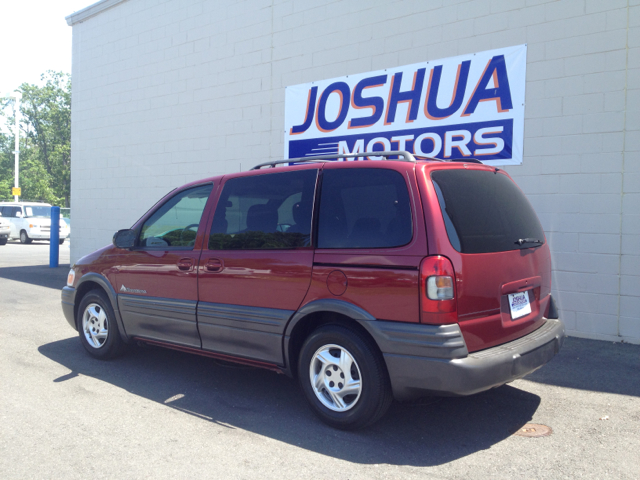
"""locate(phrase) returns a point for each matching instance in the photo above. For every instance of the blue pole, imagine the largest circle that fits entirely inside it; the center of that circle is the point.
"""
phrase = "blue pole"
(54, 242)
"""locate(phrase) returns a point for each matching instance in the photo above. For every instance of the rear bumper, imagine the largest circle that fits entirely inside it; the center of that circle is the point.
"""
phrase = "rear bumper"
(413, 376)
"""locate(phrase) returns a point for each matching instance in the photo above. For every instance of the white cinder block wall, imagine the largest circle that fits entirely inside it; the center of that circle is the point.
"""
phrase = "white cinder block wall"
(168, 91)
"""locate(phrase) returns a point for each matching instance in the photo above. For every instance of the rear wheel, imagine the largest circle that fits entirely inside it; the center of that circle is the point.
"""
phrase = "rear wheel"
(61, 241)
(344, 378)
(97, 326)
(24, 238)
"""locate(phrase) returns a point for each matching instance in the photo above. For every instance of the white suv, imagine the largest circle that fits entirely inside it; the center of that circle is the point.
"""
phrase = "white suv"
(31, 221)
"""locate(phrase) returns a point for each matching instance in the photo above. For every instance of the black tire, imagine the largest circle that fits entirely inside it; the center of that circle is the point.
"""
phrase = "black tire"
(96, 345)
(24, 238)
(375, 395)
(60, 241)
(4, 241)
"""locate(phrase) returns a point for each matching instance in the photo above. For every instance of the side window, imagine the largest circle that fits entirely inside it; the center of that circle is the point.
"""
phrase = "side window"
(175, 223)
(9, 212)
(266, 211)
(364, 208)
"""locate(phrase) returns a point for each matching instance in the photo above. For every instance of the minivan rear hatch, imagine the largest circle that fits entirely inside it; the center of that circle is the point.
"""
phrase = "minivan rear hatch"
(499, 253)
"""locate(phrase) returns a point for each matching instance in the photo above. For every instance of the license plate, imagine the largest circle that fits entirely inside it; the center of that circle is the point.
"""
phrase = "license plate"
(519, 304)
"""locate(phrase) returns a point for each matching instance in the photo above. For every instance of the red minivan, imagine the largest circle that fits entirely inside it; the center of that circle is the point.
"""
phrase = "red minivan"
(365, 280)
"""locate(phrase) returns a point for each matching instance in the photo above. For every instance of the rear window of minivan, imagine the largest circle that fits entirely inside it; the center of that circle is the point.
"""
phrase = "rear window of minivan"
(485, 211)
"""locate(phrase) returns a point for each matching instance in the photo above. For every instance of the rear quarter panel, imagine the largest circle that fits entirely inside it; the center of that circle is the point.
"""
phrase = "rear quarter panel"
(384, 282)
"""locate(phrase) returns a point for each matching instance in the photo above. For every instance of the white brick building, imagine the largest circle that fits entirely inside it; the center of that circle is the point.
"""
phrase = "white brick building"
(168, 91)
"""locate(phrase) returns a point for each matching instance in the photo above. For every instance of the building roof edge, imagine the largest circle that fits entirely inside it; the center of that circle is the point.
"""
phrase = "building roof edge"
(91, 11)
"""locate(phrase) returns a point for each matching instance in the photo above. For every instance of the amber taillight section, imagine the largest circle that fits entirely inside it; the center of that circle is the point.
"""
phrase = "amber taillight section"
(437, 291)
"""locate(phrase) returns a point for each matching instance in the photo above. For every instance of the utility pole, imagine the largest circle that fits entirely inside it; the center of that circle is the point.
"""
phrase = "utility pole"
(18, 97)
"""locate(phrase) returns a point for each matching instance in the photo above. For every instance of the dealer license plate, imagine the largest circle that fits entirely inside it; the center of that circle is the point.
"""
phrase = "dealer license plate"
(519, 304)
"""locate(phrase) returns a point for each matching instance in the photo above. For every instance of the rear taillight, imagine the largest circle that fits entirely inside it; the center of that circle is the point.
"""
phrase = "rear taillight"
(437, 291)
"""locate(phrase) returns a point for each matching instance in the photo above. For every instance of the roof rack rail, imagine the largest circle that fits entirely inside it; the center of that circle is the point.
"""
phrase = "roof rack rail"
(466, 160)
(433, 159)
(406, 157)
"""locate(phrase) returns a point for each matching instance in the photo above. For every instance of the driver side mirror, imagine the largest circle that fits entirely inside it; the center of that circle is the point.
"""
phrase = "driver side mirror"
(125, 238)
(18, 214)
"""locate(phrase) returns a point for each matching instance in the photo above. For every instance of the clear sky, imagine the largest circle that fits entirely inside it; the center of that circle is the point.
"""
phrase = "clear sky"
(35, 38)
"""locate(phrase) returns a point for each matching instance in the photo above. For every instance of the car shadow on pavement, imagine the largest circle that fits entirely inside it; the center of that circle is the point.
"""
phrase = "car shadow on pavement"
(594, 365)
(41, 275)
(428, 432)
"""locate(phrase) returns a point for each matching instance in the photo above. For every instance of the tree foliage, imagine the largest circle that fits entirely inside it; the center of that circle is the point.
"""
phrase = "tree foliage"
(45, 142)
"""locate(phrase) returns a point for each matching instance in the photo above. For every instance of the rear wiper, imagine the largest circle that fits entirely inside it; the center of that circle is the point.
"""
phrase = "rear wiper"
(522, 241)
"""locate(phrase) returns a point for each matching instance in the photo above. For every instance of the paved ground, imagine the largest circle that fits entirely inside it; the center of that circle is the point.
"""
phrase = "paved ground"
(163, 414)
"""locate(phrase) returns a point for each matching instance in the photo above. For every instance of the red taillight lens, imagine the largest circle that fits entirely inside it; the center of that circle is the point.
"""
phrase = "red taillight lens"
(437, 291)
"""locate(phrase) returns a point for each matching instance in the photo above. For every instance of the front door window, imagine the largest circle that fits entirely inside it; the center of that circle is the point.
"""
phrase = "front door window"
(175, 224)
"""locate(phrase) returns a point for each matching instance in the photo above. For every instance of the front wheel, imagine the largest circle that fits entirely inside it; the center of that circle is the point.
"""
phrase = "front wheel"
(3, 241)
(97, 326)
(24, 238)
(60, 241)
(344, 378)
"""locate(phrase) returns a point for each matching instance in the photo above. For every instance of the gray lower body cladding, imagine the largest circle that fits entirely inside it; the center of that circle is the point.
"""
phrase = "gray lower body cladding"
(414, 376)
(237, 330)
(68, 296)
(421, 359)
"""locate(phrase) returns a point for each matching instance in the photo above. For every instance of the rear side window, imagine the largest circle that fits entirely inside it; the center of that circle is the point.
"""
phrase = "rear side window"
(268, 211)
(484, 211)
(10, 212)
(364, 208)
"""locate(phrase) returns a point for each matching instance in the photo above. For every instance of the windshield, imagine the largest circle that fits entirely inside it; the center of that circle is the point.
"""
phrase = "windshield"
(38, 211)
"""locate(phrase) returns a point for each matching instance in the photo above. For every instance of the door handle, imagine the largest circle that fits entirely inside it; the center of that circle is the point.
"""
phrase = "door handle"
(213, 265)
(185, 263)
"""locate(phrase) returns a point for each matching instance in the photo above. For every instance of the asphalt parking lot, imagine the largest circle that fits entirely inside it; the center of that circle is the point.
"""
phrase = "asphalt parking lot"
(165, 414)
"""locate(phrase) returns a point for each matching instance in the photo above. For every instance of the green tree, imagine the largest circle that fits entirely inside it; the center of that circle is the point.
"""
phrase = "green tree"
(45, 142)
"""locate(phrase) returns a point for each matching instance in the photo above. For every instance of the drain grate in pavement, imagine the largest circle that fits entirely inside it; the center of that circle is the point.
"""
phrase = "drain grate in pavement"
(534, 430)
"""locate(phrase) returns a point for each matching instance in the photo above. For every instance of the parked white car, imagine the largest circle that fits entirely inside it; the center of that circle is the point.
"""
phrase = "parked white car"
(31, 221)
(5, 230)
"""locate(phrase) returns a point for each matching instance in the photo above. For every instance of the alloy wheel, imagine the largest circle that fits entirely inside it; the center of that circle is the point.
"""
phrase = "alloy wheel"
(95, 325)
(335, 378)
